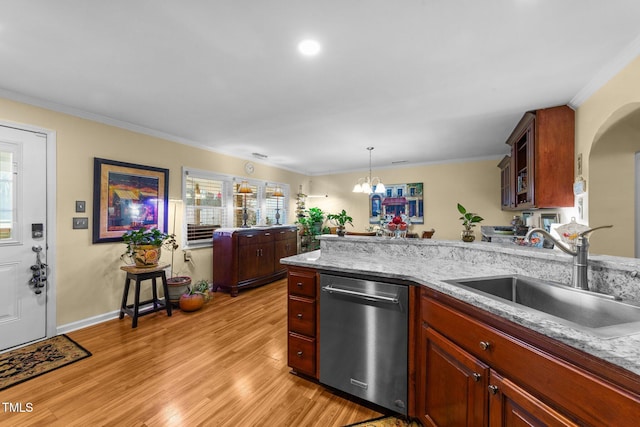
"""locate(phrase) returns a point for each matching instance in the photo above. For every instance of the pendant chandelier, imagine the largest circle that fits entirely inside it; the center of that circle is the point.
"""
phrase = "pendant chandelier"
(367, 184)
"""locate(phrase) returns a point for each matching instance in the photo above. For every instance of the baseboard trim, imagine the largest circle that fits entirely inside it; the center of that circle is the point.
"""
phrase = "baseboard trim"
(90, 321)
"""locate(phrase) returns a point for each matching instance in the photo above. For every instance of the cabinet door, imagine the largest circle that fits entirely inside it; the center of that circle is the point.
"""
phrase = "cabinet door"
(266, 259)
(452, 384)
(249, 261)
(283, 249)
(507, 197)
(509, 405)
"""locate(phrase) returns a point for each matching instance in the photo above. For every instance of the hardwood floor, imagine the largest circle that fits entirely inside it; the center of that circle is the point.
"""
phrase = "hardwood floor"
(225, 365)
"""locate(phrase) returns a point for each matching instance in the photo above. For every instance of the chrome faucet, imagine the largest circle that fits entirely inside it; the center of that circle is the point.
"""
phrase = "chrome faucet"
(580, 254)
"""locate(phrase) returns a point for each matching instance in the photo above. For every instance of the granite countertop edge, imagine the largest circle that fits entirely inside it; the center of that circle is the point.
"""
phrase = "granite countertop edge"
(620, 351)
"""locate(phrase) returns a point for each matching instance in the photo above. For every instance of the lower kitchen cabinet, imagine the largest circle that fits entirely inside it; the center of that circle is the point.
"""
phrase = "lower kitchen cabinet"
(528, 380)
(302, 321)
(510, 405)
(453, 385)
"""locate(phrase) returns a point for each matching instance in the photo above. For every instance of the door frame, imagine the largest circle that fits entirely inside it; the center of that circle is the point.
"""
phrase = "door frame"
(52, 327)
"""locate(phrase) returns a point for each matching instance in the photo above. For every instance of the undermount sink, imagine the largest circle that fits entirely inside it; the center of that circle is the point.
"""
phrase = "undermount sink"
(596, 313)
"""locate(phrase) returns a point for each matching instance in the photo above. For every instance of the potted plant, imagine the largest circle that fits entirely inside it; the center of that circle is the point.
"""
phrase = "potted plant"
(194, 298)
(341, 219)
(316, 218)
(144, 246)
(469, 220)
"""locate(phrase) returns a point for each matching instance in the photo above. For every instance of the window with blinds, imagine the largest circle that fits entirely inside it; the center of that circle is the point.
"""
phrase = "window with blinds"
(204, 207)
(213, 201)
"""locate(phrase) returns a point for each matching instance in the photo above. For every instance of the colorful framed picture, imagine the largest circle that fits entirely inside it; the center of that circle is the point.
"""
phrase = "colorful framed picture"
(127, 197)
(400, 199)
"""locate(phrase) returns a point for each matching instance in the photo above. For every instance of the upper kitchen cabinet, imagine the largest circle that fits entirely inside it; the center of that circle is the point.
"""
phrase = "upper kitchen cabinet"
(539, 172)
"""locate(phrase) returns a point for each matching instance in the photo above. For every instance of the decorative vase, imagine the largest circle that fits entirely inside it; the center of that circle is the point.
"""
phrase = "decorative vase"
(340, 231)
(177, 286)
(191, 302)
(467, 236)
(146, 256)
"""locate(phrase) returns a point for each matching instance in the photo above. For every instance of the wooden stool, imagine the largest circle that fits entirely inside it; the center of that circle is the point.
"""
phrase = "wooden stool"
(139, 274)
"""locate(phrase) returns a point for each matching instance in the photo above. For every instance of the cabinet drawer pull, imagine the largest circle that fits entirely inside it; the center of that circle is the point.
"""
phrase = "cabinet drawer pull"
(485, 345)
(299, 315)
(299, 284)
(493, 389)
(300, 355)
(476, 377)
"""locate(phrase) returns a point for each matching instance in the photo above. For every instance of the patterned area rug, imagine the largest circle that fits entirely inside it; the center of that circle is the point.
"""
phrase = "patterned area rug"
(28, 362)
(386, 422)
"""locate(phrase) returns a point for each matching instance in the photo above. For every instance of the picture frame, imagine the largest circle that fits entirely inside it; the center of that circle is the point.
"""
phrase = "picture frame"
(126, 197)
(400, 199)
(546, 219)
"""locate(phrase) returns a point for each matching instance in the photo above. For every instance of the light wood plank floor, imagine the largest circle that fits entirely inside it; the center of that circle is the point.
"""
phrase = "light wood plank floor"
(225, 365)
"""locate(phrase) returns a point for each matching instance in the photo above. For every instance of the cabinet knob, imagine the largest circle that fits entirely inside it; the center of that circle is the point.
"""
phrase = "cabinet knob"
(493, 389)
(299, 315)
(299, 284)
(299, 353)
(485, 345)
(476, 377)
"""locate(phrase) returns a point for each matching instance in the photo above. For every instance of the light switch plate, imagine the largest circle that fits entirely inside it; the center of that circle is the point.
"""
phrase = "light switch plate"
(81, 206)
(80, 223)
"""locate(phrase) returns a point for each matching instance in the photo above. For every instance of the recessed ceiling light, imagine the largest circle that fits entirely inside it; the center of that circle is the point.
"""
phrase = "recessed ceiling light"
(309, 47)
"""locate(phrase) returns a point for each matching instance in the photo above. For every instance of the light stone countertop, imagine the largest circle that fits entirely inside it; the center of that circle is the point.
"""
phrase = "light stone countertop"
(429, 263)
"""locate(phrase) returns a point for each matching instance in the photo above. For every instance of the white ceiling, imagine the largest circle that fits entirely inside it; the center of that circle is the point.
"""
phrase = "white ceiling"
(420, 80)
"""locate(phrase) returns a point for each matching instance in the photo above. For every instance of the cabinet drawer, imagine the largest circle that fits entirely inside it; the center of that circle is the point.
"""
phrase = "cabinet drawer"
(287, 234)
(302, 354)
(302, 316)
(302, 283)
(255, 237)
(555, 380)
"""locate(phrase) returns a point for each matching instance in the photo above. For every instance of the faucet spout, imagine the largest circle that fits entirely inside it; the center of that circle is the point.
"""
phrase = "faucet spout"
(580, 255)
(555, 241)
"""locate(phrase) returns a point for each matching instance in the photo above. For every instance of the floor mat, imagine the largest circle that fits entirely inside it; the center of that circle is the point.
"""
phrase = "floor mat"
(30, 361)
(386, 422)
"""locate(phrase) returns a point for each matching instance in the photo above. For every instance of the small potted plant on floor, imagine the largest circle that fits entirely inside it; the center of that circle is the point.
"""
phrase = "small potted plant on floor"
(194, 298)
(469, 220)
(341, 219)
(144, 246)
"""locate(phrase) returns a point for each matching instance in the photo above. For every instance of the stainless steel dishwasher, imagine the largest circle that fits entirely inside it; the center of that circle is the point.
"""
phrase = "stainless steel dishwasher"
(363, 339)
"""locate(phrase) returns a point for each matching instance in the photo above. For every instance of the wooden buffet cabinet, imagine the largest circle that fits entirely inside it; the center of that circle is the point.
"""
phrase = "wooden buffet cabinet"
(469, 367)
(249, 257)
(539, 172)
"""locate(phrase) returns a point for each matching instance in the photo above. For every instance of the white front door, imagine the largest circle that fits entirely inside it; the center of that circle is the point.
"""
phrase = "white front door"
(23, 231)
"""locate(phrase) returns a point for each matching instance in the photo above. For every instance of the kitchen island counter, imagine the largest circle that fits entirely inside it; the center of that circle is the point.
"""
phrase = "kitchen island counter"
(430, 262)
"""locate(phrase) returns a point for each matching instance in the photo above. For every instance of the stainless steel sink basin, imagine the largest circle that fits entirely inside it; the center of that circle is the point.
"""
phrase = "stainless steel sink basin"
(597, 313)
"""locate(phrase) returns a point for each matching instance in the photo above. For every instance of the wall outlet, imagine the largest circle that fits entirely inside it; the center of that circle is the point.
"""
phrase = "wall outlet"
(187, 256)
(80, 223)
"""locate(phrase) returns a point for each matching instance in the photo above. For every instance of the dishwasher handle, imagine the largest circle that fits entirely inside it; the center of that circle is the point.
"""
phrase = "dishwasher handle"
(333, 290)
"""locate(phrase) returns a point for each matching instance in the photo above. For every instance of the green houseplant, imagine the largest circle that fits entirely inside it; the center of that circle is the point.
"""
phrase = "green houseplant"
(144, 246)
(469, 220)
(341, 219)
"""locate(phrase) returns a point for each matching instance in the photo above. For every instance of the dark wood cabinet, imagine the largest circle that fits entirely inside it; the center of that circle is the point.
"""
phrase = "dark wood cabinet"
(529, 383)
(539, 172)
(510, 405)
(245, 258)
(302, 321)
(453, 384)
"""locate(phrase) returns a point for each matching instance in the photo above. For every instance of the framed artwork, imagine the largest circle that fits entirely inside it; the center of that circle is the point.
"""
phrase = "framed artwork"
(127, 197)
(546, 219)
(399, 199)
